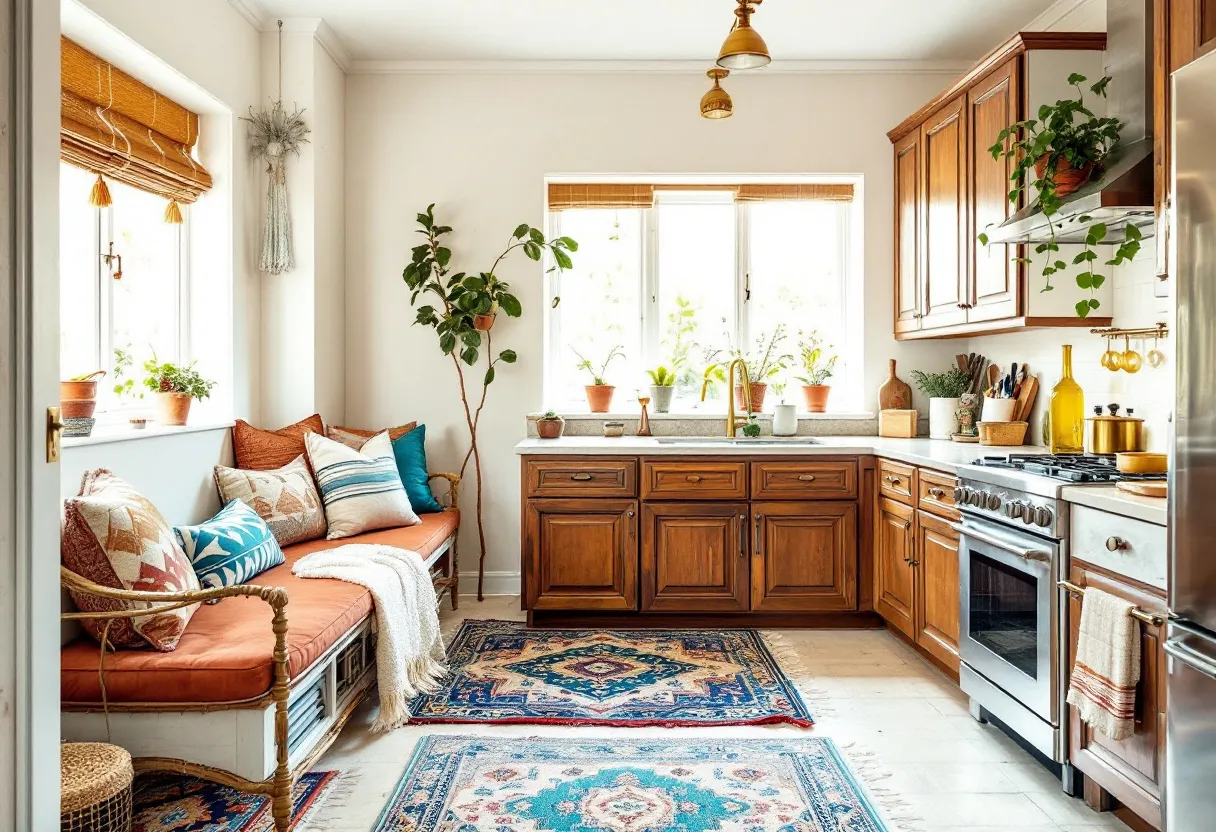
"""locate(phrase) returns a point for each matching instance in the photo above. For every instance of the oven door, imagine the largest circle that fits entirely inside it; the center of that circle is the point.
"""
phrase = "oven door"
(1009, 612)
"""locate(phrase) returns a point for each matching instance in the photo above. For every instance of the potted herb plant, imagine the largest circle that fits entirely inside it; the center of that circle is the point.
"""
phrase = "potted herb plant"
(943, 391)
(816, 369)
(176, 387)
(124, 386)
(550, 426)
(599, 392)
(663, 386)
(763, 363)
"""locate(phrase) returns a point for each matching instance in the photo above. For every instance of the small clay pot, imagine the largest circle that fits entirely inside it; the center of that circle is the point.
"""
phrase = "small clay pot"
(599, 397)
(72, 391)
(550, 428)
(1068, 179)
(482, 323)
(173, 408)
(758, 391)
(77, 408)
(816, 396)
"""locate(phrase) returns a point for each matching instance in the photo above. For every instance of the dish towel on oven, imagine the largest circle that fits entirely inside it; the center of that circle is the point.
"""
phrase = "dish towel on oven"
(1107, 668)
(409, 649)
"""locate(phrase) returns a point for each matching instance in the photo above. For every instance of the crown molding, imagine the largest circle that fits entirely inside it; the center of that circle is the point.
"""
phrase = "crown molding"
(319, 29)
(1053, 14)
(651, 68)
(251, 11)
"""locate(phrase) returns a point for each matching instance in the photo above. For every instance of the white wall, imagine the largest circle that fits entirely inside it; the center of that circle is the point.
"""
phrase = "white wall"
(480, 146)
(329, 290)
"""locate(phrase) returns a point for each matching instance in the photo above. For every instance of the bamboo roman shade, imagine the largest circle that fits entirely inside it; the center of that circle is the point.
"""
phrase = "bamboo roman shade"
(563, 197)
(815, 192)
(114, 125)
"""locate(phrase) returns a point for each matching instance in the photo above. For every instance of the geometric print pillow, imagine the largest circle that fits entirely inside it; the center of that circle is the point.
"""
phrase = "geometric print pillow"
(231, 547)
(361, 490)
(114, 536)
(285, 498)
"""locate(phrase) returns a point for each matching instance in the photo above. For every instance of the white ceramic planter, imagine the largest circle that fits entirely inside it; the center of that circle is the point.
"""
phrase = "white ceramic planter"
(660, 397)
(785, 420)
(942, 424)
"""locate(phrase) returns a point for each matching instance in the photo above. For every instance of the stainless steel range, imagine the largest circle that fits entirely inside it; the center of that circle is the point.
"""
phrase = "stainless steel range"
(1013, 552)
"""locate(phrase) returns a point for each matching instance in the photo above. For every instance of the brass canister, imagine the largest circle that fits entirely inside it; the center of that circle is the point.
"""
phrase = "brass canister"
(1112, 434)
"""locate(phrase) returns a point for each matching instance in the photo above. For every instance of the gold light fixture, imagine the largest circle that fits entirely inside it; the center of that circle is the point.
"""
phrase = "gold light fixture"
(716, 103)
(744, 48)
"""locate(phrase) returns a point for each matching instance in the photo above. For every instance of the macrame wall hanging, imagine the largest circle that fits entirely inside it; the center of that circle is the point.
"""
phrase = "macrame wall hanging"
(275, 134)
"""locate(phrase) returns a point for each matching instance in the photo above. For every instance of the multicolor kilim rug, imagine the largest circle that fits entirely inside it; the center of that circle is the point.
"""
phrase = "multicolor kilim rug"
(564, 785)
(172, 803)
(503, 673)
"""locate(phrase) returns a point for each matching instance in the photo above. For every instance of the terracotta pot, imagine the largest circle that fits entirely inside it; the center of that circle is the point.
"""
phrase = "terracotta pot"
(1068, 179)
(816, 397)
(173, 408)
(599, 397)
(77, 408)
(758, 391)
(482, 323)
(74, 391)
(550, 428)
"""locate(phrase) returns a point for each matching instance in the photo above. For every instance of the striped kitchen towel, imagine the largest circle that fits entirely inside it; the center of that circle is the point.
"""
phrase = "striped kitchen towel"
(1103, 682)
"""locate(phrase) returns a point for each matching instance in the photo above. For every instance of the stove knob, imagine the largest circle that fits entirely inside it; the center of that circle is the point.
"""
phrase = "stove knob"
(1013, 509)
(993, 501)
(1042, 517)
(1028, 514)
(976, 498)
(960, 494)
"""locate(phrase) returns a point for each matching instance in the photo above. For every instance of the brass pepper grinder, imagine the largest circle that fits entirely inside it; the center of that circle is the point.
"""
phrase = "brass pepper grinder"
(644, 422)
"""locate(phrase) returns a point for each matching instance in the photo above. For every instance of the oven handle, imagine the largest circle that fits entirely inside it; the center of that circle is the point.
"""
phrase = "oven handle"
(1028, 554)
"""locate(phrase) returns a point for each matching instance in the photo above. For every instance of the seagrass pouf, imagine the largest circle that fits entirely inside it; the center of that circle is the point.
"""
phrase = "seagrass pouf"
(95, 793)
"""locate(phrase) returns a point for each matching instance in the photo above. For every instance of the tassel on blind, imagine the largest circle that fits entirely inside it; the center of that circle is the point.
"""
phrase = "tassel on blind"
(99, 197)
(173, 213)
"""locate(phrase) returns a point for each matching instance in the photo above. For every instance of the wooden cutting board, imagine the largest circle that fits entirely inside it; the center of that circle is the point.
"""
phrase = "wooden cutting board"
(895, 394)
(1026, 397)
(1144, 489)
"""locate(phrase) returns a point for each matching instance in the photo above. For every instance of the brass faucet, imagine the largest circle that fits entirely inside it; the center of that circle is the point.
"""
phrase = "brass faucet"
(732, 419)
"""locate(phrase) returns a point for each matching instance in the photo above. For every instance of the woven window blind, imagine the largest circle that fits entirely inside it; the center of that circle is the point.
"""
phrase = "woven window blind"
(771, 193)
(114, 125)
(563, 197)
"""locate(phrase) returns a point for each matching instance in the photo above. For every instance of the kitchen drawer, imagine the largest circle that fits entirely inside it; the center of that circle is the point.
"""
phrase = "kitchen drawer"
(583, 477)
(1118, 544)
(897, 481)
(810, 480)
(936, 493)
(679, 479)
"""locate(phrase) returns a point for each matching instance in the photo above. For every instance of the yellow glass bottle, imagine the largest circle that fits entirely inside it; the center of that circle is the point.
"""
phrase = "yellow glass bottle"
(1067, 411)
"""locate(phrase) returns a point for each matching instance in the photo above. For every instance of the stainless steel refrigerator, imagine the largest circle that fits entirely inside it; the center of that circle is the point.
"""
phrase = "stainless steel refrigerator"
(1190, 789)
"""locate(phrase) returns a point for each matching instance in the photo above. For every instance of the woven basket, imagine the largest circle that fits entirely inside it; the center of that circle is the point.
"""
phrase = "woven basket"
(95, 794)
(1002, 433)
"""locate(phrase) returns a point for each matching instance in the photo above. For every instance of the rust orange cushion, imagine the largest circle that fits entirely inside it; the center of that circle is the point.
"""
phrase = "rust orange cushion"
(265, 450)
(355, 437)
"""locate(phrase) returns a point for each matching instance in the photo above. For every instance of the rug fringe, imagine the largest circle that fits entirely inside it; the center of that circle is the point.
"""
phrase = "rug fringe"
(896, 811)
(329, 810)
(795, 668)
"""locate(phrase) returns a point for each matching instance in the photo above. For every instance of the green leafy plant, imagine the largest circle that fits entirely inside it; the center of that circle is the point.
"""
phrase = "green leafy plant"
(458, 299)
(175, 378)
(663, 376)
(948, 385)
(763, 362)
(124, 384)
(816, 367)
(597, 378)
(1064, 136)
(548, 416)
(752, 428)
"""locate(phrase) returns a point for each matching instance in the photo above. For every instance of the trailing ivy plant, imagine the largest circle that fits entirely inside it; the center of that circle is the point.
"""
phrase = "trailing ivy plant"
(459, 298)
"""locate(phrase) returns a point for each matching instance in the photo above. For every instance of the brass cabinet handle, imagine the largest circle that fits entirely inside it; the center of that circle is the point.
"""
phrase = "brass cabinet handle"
(1114, 544)
(936, 493)
(759, 548)
(806, 477)
(1150, 618)
(694, 478)
(629, 513)
(742, 535)
(580, 477)
(907, 525)
(891, 478)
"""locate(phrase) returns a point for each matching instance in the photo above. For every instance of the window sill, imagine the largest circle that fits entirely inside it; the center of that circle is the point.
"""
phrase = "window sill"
(702, 416)
(105, 434)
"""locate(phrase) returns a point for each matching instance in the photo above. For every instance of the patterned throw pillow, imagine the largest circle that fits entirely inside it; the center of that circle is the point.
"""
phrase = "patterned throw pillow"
(356, 437)
(231, 547)
(265, 450)
(115, 537)
(285, 498)
(361, 490)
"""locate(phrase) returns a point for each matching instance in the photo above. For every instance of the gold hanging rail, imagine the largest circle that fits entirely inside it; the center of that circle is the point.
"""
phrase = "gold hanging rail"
(1161, 330)
(1150, 618)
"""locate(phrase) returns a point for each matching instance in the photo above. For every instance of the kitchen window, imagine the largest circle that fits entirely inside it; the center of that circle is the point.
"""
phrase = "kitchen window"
(139, 304)
(690, 275)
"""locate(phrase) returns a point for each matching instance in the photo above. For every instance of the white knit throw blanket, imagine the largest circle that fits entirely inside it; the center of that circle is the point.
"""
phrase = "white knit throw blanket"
(410, 657)
(1104, 676)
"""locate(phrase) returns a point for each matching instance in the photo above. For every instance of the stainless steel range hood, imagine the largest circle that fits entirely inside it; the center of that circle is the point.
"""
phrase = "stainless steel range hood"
(1124, 194)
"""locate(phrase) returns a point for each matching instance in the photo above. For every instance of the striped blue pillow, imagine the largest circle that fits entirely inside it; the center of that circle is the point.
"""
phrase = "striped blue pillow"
(231, 547)
(361, 489)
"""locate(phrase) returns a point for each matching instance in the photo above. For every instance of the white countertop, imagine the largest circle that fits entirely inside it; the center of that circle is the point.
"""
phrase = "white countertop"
(939, 454)
(1109, 498)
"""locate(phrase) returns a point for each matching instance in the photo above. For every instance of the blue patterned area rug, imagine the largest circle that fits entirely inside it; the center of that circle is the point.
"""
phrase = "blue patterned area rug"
(457, 784)
(175, 803)
(503, 673)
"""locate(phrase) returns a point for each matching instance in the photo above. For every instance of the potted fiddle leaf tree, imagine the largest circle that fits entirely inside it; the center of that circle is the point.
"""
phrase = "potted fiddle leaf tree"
(599, 391)
(175, 387)
(816, 370)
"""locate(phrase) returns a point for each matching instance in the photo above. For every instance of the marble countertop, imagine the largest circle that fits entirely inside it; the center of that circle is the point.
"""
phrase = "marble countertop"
(1109, 498)
(938, 454)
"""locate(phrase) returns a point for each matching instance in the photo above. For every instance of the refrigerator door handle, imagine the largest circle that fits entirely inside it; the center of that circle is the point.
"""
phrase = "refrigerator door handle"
(1177, 647)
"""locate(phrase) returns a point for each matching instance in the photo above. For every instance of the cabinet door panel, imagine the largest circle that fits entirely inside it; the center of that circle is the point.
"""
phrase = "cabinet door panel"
(804, 556)
(943, 259)
(581, 554)
(908, 206)
(694, 557)
(937, 588)
(993, 104)
(894, 585)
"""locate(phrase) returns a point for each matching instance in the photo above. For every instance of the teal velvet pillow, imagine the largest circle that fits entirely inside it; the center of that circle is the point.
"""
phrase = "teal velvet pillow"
(410, 452)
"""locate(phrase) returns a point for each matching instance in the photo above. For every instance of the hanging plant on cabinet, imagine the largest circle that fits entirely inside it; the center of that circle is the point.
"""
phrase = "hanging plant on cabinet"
(463, 317)
(1062, 149)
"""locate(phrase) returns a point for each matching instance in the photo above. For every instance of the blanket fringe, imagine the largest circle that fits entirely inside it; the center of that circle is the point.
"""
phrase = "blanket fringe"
(896, 811)
(424, 675)
(796, 669)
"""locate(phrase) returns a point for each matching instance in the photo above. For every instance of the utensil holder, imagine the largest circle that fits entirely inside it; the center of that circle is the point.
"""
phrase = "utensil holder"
(998, 410)
(1002, 433)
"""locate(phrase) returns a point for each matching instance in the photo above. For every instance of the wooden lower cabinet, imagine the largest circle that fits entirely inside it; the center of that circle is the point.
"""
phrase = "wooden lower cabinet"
(694, 557)
(804, 556)
(937, 588)
(894, 580)
(581, 554)
(1131, 770)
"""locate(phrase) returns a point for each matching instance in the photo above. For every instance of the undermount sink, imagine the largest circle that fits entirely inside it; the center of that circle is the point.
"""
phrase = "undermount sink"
(726, 440)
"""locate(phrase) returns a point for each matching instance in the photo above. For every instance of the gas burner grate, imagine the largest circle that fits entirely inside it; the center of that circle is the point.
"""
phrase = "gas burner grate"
(1070, 468)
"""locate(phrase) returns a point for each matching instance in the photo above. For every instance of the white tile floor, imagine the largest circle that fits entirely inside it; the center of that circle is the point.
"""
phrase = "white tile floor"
(876, 694)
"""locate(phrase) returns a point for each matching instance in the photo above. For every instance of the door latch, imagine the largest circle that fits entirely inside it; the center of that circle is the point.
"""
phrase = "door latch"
(54, 430)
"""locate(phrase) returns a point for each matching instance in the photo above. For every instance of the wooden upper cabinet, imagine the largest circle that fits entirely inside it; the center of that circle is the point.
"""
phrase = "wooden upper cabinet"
(908, 205)
(937, 588)
(944, 252)
(894, 551)
(992, 105)
(804, 556)
(581, 554)
(695, 557)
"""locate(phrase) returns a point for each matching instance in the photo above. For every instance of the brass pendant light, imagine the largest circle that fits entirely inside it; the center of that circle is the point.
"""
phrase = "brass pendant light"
(716, 103)
(744, 48)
